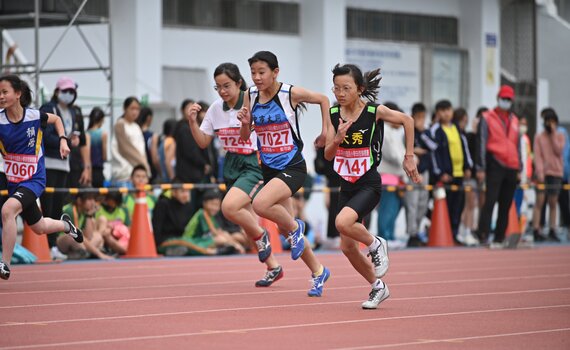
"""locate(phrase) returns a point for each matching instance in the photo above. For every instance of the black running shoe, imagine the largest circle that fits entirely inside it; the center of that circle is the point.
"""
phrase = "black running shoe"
(4, 271)
(263, 247)
(74, 231)
(270, 277)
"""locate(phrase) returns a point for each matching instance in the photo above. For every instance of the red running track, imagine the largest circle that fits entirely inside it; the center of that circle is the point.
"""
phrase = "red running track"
(440, 299)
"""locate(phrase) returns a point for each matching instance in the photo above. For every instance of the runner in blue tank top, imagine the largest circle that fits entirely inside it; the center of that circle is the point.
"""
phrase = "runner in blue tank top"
(21, 131)
(270, 108)
(354, 141)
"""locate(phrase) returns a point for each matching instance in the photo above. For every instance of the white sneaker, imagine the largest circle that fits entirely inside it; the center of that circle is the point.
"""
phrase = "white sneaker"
(470, 240)
(379, 258)
(56, 254)
(375, 297)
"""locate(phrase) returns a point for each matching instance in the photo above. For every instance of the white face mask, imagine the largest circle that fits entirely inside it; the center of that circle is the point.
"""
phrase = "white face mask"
(66, 97)
(523, 129)
(505, 104)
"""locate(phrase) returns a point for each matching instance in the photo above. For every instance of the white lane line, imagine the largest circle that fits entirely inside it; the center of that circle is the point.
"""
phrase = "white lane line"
(126, 265)
(241, 271)
(178, 313)
(282, 327)
(451, 340)
(187, 285)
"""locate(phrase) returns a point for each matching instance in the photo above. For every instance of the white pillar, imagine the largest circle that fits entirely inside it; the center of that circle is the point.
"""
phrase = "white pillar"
(137, 48)
(480, 31)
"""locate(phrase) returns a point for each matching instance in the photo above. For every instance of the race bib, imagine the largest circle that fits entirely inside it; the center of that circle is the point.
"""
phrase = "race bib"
(20, 167)
(352, 163)
(275, 138)
(232, 142)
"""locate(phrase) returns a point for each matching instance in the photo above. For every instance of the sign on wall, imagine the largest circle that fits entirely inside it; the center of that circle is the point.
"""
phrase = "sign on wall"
(400, 69)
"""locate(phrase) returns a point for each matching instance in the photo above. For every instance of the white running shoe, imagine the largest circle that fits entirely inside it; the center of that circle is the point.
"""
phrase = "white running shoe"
(375, 297)
(56, 254)
(379, 258)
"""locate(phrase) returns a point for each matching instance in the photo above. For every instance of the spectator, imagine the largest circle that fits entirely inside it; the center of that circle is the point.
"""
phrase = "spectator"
(465, 236)
(204, 235)
(171, 215)
(139, 180)
(114, 218)
(416, 201)
(549, 169)
(98, 145)
(212, 151)
(452, 163)
(128, 146)
(144, 120)
(82, 213)
(498, 163)
(80, 165)
(58, 169)
(192, 162)
(167, 151)
(526, 161)
(473, 147)
(392, 173)
(563, 199)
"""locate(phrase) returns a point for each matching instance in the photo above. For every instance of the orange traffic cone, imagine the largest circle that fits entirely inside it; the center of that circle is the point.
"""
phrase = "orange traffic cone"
(141, 243)
(274, 236)
(36, 244)
(513, 232)
(440, 231)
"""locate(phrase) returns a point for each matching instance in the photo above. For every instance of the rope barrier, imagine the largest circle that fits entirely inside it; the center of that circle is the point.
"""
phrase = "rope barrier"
(324, 189)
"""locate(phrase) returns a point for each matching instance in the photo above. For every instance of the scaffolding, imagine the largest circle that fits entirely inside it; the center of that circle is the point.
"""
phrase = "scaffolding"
(19, 15)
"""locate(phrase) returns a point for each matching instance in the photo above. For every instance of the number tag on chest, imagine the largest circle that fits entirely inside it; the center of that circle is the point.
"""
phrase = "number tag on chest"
(275, 138)
(20, 167)
(352, 163)
(232, 142)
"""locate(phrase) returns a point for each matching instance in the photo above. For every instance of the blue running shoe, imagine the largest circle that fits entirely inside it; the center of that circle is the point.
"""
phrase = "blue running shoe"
(263, 247)
(297, 240)
(318, 283)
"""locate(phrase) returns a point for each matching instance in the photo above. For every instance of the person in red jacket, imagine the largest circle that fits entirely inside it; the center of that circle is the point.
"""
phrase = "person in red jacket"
(498, 162)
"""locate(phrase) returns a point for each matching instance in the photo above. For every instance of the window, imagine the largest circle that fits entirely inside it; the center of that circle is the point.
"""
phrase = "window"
(248, 15)
(366, 24)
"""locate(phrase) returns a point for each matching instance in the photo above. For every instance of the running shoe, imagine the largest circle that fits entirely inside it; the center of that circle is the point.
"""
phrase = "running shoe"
(318, 282)
(375, 297)
(297, 240)
(271, 276)
(379, 258)
(4, 271)
(263, 247)
(74, 231)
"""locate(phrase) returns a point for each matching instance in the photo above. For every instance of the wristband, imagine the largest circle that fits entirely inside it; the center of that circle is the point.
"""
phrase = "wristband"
(63, 137)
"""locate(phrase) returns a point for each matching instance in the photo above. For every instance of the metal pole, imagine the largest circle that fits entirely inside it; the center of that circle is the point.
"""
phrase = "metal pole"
(37, 48)
(110, 78)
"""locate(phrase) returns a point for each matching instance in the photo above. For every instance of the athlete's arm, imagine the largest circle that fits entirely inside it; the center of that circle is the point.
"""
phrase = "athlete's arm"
(59, 129)
(201, 139)
(300, 95)
(396, 117)
(244, 116)
(334, 139)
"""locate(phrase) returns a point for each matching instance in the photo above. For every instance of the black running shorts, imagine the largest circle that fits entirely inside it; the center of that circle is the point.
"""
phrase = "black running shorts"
(30, 211)
(362, 200)
(293, 175)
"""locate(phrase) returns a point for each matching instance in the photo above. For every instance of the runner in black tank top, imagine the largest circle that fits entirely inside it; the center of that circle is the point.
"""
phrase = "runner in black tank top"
(354, 141)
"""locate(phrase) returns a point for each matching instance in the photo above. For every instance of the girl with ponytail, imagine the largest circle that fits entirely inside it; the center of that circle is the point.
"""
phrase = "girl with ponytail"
(21, 144)
(242, 174)
(354, 141)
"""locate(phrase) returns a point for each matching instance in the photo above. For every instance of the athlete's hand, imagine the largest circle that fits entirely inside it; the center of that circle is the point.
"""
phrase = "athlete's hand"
(244, 116)
(192, 112)
(341, 131)
(320, 141)
(411, 169)
(63, 148)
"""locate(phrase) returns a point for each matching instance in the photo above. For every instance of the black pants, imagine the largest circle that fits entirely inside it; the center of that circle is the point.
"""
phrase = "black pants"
(563, 199)
(455, 204)
(501, 183)
(52, 203)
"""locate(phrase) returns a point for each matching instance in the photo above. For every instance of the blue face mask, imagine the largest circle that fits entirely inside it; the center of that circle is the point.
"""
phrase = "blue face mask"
(66, 97)
(504, 104)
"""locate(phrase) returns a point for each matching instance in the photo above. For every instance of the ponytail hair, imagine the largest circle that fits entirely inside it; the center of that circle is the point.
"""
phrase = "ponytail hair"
(232, 71)
(368, 83)
(21, 86)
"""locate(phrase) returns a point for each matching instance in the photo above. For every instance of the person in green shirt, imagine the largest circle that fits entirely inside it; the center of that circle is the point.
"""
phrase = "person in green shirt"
(139, 179)
(82, 213)
(114, 220)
